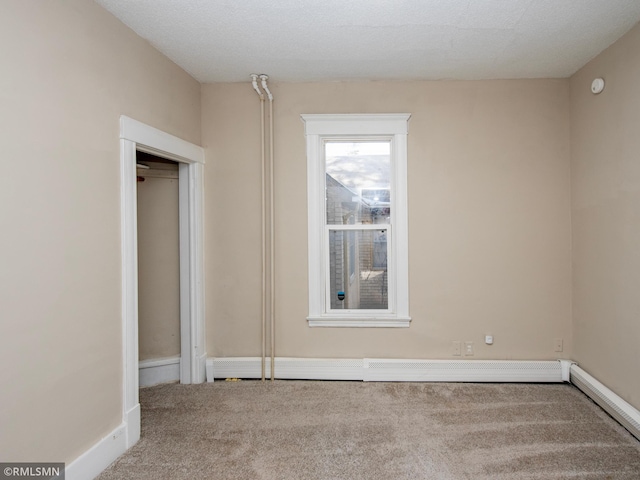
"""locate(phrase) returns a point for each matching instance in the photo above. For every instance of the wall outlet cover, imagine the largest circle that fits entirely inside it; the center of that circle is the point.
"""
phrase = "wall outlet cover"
(558, 345)
(468, 348)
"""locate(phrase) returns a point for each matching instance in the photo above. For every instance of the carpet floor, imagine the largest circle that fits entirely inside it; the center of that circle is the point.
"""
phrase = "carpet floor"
(306, 430)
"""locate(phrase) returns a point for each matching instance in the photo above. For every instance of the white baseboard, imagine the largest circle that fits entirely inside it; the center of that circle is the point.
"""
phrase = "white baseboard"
(92, 462)
(388, 370)
(627, 415)
(202, 368)
(158, 370)
(132, 419)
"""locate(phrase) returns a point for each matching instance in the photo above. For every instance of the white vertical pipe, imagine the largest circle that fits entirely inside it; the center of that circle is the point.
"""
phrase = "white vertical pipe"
(272, 242)
(254, 78)
(272, 255)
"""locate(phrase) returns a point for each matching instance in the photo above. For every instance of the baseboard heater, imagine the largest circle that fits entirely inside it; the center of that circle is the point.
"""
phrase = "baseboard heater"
(390, 370)
(627, 415)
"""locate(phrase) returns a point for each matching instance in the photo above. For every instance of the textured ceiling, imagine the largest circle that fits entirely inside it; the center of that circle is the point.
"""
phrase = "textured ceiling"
(323, 40)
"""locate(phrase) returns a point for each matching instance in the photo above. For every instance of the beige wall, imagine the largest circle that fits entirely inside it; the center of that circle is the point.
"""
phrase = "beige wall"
(605, 163)
(489, 218)
(158, 264)
(232, 219)
(69, 70)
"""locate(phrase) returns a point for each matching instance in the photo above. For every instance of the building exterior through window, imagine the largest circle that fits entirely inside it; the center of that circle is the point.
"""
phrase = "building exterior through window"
(358, 193)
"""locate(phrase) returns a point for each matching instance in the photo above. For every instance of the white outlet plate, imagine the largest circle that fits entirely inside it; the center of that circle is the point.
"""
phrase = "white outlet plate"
(558, 345)
(468, 348)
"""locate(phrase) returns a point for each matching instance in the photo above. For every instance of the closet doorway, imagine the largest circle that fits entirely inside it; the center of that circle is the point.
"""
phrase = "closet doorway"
(138, 137)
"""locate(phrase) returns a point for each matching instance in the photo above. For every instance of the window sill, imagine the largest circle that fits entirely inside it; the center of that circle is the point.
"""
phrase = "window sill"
(359, 322)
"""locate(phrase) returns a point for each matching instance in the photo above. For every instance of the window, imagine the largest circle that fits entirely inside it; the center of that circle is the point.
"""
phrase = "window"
(357, 199)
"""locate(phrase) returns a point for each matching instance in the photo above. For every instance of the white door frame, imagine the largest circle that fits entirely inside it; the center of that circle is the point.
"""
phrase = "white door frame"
(134, 136)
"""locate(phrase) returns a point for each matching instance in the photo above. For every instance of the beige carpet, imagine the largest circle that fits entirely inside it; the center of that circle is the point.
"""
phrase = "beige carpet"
(375, 431)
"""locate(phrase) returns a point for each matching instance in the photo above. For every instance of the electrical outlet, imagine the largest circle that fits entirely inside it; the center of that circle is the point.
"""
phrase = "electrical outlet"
(456, 348)
(468, 348)
(558, 345)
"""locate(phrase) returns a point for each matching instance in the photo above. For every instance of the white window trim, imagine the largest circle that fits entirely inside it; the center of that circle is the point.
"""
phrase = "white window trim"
(319, 127)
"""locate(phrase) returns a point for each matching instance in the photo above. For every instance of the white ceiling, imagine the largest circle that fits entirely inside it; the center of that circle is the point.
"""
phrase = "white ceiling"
(325, 40)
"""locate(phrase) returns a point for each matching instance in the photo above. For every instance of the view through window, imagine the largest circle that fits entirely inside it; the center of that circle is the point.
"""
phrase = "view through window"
(358, 215)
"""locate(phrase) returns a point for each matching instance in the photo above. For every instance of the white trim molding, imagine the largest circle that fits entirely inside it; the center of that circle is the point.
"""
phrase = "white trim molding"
(374, 321)
(151, 140)
(319, 129)
(136, 136)
(390, 370)
(159, 370)
(356, 123)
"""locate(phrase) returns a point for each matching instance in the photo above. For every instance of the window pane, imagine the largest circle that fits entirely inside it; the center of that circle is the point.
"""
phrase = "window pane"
(358, 269)
(358, 182)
